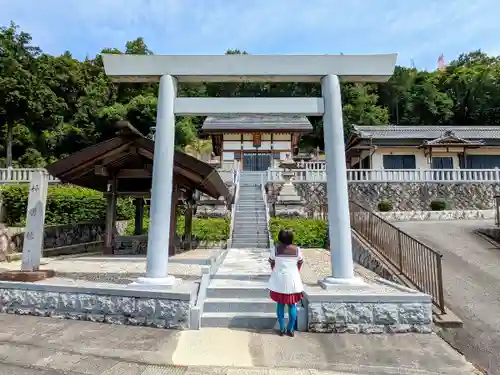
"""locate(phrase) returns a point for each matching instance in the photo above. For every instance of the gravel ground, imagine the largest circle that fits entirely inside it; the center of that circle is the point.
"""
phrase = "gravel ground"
(112, 269)
(317, 265)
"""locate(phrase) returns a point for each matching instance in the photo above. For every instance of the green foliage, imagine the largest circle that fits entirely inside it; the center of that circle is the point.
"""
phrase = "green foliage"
(385, 205)
(306, 232)
(438, 205)
(66, 204)
(212, 230)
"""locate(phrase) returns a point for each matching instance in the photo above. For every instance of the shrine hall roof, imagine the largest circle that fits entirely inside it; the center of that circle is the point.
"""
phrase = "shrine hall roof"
(267, 123)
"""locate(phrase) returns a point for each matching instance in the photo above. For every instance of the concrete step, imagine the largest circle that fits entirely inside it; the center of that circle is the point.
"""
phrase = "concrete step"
(257, 290)
(240, 320)
(244, 246)
(250, 236)
(254, 224)
(251, 305)
(250, 208)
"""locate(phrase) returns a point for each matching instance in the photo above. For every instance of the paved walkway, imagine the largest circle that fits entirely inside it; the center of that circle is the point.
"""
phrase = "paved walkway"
(471, 272)
(46, 346)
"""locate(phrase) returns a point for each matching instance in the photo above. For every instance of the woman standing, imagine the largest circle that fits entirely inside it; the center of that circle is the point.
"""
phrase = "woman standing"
(285, 284)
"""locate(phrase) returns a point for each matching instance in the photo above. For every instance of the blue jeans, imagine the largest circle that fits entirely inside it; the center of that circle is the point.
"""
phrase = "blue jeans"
(292, 316)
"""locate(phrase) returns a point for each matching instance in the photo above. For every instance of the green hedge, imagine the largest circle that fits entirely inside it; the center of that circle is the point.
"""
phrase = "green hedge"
(212, 230)
(307, 232)
(66, 204)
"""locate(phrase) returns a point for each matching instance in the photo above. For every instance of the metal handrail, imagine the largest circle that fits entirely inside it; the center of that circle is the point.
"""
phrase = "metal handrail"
(266, 205)
(416, 261)
(233, 205)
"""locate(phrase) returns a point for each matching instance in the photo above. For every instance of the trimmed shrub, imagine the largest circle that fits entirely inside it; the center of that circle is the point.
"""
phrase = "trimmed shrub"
(210, 229)
(438, 205)
(384, 205)
(66, 204)
(307, 232)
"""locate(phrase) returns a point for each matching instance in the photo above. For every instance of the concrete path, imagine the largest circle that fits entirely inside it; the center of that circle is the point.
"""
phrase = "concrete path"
(471, 271)
(32, 345)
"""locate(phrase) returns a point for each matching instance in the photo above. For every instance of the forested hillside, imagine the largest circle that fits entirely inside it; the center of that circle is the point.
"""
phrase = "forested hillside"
(51, 106)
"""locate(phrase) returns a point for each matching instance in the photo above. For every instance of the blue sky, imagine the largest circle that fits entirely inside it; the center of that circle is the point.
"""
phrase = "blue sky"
(418, 31)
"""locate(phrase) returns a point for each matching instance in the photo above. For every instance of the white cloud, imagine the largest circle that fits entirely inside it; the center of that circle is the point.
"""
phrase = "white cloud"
(419, 30)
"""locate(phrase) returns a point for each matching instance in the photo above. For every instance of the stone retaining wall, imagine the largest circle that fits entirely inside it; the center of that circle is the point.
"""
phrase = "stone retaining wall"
(387, 317)
(116, 306)
(364, 257)
(405, 196)
(417, 196)
(438, 215)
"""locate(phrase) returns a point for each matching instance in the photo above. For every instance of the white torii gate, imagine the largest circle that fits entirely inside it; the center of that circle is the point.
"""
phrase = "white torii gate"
(327, 69)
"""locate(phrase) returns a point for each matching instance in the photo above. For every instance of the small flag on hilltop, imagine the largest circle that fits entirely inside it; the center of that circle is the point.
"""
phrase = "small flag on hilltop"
(441, 65)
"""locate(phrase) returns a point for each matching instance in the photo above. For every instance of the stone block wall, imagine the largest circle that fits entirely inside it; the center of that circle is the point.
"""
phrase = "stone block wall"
(405, 196)
(387, 317)
(95, 305)
(362, 256)
(417, 196)
(59, 236)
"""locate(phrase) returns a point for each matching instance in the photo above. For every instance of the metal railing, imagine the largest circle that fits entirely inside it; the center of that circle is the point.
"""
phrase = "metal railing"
(417, 262)
(266, 205)
(392, 175)
(236, 182)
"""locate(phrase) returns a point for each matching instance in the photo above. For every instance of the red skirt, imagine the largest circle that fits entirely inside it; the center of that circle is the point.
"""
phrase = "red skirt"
(285, 299)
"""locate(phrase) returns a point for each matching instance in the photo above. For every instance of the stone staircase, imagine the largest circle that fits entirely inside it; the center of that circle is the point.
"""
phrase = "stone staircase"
(237, 296)
(250, 228)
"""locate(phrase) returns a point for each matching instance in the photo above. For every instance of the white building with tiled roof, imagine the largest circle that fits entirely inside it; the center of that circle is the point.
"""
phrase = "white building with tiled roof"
(424, 147)
(256, 142)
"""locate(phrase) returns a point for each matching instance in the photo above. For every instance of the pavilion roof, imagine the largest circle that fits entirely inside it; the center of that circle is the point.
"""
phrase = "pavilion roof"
(129, 157)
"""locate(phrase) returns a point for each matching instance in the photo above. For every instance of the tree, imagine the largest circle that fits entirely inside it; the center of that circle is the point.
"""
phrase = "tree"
(51, 106)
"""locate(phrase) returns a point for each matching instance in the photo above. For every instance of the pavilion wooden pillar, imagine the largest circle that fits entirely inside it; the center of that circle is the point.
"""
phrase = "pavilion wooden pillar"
(188, 222)
(173, 219)
(111, 198)
(139, 216)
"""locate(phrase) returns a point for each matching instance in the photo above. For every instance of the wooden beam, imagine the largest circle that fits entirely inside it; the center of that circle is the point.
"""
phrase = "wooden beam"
(184, 182)
(248, 106)
(134, 173)
(100, 170)
(77, 171)
(190, 175)
(146, 153)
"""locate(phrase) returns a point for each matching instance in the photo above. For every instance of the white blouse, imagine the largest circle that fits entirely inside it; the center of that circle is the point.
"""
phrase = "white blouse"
(285, 277)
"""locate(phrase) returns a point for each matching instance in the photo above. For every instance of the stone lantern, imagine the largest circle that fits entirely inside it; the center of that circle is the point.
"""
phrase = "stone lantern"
(288, 193)
(288, 202)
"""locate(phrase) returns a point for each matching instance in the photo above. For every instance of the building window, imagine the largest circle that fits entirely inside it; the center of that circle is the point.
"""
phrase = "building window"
(442, 162)
(399, 162)
(479, 161)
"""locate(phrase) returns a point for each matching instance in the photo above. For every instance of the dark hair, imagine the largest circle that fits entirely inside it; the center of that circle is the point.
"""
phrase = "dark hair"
(285, 236)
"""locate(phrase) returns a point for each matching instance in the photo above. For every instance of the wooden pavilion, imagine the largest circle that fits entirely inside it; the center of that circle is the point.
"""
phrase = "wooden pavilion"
(123, 165)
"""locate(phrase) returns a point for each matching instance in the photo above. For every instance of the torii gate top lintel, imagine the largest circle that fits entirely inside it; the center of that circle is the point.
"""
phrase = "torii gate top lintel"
(238, 68)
